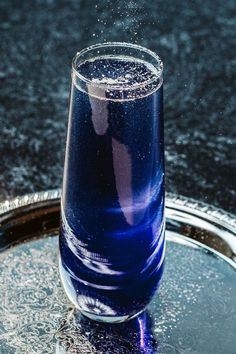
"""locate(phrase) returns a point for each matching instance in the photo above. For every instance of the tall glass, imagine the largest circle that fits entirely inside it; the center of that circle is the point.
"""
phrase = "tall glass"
(112, 213)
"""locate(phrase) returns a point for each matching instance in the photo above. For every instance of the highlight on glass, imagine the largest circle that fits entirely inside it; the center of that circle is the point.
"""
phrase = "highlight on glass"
(112, 243)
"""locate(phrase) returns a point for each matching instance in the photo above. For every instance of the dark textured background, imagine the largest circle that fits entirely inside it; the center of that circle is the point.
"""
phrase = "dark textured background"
(196, 41)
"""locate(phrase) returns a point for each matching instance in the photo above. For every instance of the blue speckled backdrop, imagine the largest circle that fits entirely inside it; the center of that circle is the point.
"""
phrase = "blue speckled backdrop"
(196, 41)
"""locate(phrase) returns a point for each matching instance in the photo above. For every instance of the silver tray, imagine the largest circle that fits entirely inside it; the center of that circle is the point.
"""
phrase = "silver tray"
(193, 312)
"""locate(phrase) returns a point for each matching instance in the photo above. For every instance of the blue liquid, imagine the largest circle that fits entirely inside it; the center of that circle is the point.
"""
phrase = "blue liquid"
(112, 220)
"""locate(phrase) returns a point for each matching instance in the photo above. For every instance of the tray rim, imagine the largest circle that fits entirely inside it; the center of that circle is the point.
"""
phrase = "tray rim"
(173, 201)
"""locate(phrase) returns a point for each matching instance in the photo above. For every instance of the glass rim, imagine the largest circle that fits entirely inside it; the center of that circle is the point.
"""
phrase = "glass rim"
(157, 76)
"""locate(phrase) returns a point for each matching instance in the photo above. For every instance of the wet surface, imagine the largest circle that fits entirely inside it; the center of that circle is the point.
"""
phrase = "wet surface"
(195, 42)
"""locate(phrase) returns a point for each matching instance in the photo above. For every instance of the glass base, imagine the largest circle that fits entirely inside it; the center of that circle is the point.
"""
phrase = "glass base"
(109, 319)
(90, 315)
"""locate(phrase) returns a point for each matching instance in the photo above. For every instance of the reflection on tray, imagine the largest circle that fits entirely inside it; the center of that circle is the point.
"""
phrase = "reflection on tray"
(134, 336)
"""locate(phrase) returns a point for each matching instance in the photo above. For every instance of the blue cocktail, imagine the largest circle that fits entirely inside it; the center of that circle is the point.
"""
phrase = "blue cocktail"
(112, 219)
